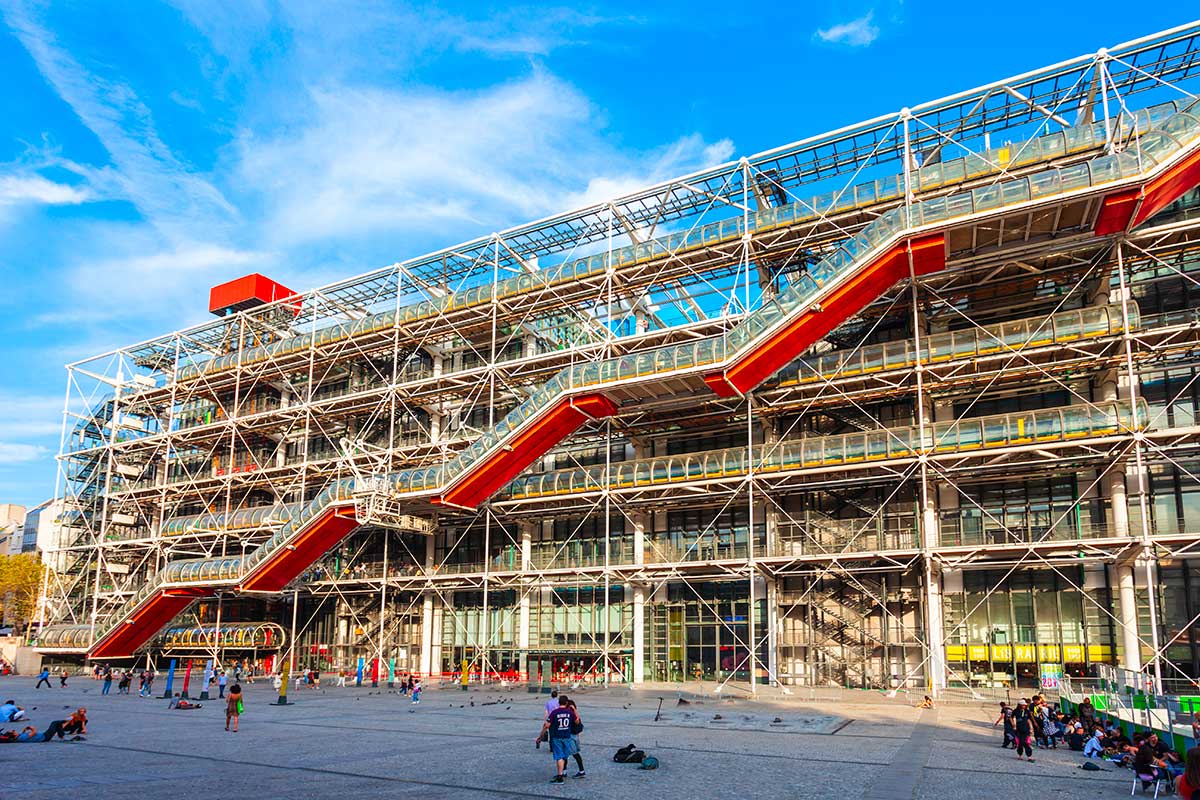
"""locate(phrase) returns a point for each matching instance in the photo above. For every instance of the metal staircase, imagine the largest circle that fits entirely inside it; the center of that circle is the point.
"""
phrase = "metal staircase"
(910, 240)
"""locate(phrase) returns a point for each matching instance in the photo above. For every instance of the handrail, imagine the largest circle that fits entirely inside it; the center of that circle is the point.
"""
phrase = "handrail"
(1157, 145)
(997, 160)
(1005, 337)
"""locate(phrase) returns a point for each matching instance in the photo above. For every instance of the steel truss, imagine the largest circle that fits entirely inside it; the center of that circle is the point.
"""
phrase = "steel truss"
(202, 442)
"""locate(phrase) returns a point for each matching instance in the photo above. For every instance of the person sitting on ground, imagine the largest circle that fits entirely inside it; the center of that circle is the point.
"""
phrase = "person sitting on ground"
(1187, 785)
(11, 712)
(1116, 742)
(1075, 738)
(180, 704)
(59, 728)
(926, 703)
(1094, 748)
(76, 723)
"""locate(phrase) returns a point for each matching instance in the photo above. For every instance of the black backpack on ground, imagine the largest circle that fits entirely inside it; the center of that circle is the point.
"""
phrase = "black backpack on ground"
(626, 755)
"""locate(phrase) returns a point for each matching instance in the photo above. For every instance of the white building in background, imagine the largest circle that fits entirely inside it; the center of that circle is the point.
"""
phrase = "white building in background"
(42, 529)
(12, 521)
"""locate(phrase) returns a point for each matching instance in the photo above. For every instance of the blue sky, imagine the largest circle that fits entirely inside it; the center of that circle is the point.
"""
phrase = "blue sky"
(149, 151)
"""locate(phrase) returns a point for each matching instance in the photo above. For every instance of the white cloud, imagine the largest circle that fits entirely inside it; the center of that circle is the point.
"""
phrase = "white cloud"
(855, 33)
(167, 284)
(325, 173)
(685, 155)
(164, 189)
(37, 189)
(12, 453)
(29, 416)
(372, 159)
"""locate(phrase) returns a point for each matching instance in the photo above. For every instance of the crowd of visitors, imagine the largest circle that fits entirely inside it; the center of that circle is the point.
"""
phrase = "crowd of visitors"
(1035, 721)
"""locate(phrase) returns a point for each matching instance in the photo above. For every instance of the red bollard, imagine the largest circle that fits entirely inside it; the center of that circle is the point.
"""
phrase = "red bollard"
(187, 675)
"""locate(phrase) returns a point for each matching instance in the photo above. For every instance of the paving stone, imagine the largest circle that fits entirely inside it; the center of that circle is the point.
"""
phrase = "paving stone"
(350, 743)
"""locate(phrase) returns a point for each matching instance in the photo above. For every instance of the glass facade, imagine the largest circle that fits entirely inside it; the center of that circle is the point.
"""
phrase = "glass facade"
(1002, 626)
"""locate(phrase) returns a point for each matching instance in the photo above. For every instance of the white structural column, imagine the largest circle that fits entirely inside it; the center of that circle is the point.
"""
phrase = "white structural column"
(1131, 650)
(1109, 390)
(526, 530)
(427, 622)
(935, 629)
(639, 600)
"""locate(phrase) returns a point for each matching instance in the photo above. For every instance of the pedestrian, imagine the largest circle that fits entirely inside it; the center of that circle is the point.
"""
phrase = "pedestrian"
(341, 678)
(557, 728)
(62, 678)
(1049, 726)
(1006, 717)
(43, 677)
(1023, 722)
(141, 682)
(411, 684)
(149, 682)
(1087, 713)
(126, 679)
(233, 706)
(576, 729)
(416, 693)
(107, 680)
(221, 684)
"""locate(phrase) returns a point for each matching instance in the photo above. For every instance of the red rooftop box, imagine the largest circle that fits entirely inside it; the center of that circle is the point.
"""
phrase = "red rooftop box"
(247, 291)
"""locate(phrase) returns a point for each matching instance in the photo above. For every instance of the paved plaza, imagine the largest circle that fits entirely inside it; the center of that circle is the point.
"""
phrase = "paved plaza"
(356, 743)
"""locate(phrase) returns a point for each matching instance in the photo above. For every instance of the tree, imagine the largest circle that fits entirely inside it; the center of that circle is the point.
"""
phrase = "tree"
(20, 586)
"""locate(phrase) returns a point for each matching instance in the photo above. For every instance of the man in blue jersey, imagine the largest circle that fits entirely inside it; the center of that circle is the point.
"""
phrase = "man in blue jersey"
(558, 727)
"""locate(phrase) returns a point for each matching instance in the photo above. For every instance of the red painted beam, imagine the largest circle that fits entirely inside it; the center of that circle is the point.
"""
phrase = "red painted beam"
(1169, 187)
(1116, 210)
(313, 542)
(148, 620)
(563, 419)
(870, 281)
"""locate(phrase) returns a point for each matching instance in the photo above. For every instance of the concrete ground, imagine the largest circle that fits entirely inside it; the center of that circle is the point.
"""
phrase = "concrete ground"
(356, 743)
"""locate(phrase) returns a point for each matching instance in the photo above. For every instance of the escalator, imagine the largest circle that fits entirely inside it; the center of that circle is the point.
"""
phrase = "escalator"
(909, 241)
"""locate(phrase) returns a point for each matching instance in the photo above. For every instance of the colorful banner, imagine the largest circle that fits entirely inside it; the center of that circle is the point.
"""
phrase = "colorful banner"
(1052, 675)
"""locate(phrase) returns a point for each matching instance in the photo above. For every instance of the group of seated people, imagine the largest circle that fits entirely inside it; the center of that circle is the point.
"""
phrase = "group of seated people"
(74, 725)
(1145, 752)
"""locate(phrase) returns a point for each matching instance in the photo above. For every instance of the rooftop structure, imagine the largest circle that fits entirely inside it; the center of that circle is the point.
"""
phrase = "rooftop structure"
(907, 403)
